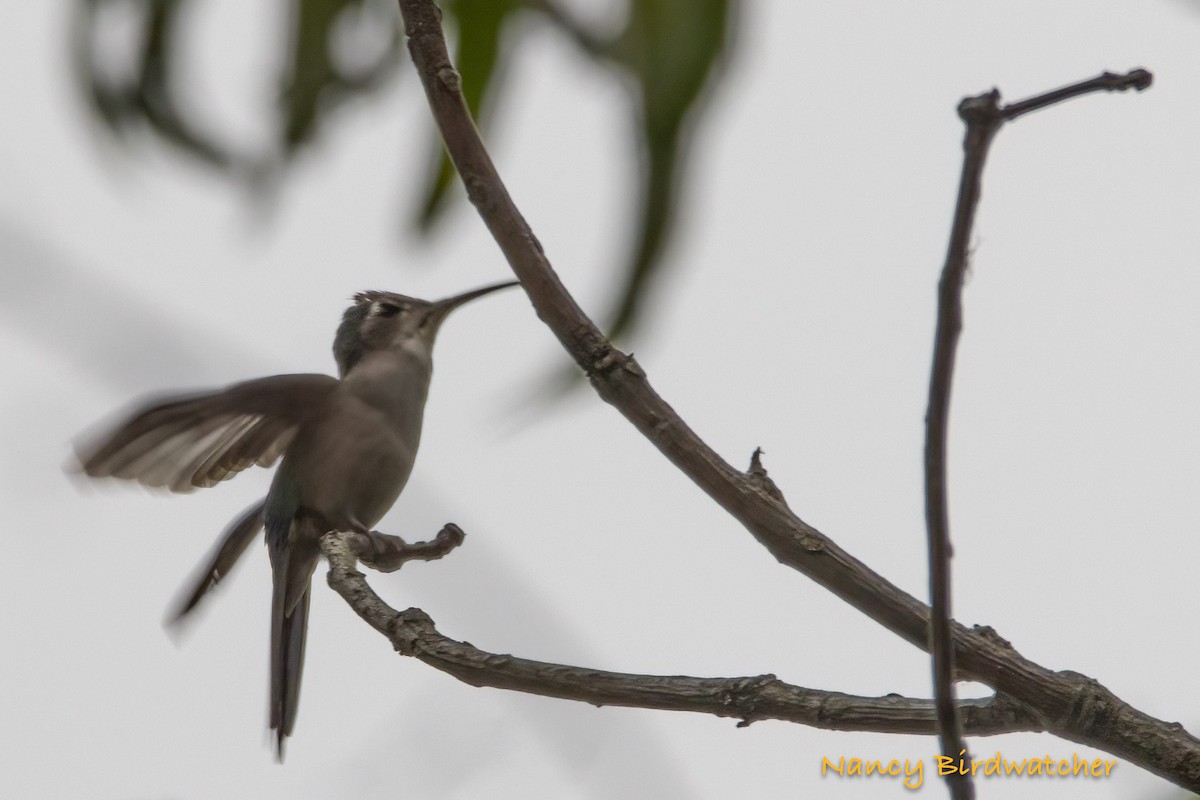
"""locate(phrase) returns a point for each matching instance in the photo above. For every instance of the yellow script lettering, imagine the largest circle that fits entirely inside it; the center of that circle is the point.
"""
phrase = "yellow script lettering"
(827, 764)
(909, 772)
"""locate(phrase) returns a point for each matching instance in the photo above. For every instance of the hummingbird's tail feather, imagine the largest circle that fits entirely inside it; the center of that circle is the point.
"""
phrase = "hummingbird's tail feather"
(289, 629)
(233, 542)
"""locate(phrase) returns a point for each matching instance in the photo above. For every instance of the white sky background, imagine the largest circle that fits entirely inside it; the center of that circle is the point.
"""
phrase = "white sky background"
(799, 317)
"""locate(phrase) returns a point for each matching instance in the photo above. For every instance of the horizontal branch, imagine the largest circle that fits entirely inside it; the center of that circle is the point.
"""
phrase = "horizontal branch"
(750, 699)
(1071, 705)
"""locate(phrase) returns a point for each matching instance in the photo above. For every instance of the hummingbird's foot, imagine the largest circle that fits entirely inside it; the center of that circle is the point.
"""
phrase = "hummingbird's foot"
(384, 552)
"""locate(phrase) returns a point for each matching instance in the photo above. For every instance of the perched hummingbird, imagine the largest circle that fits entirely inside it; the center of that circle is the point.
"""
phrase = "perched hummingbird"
(348, 446)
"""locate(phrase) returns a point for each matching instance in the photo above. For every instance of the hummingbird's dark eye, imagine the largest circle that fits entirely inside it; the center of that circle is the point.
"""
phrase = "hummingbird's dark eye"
(388, 309)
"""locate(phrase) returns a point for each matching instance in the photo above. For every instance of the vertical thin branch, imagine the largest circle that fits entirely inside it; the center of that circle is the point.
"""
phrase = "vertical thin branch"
(980, 115)
(983, 116)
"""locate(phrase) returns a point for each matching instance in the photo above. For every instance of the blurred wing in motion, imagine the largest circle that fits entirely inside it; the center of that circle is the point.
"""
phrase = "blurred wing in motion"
(195, 441)
(229, 548)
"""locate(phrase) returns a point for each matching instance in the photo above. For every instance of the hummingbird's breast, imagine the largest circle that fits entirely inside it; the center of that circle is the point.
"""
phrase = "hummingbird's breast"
(350, 465)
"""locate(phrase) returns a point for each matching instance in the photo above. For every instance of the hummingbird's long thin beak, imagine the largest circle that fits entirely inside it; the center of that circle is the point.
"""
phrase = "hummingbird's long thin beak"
(442, 308)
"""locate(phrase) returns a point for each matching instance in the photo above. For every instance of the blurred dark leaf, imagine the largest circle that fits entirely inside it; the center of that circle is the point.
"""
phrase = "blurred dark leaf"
(154, 93)
(674, 49)
(668, 51)
(315, 78)
(310, 70)
(147, 96)
(480, 57)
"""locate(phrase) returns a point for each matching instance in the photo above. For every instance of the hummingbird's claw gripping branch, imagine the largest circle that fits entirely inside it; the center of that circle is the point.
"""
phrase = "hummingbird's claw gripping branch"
(384, 552)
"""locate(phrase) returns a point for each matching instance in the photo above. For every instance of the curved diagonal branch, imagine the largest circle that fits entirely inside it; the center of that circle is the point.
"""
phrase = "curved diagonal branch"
(747, 699)
(1071, 705)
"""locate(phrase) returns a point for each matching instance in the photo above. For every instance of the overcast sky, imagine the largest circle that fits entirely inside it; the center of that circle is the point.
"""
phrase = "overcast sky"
(799, 318)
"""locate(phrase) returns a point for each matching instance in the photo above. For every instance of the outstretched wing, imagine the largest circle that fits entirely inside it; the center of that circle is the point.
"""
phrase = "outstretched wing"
(229, 548)
(192, 441)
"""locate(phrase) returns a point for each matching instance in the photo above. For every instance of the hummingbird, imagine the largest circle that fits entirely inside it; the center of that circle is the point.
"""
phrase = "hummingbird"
(347, 446)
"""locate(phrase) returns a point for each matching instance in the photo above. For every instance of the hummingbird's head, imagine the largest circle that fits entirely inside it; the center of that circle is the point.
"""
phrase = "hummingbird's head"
(386, 321)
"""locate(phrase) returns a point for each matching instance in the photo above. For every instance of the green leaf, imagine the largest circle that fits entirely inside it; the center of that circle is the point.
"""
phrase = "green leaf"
(313, 80)
(668, 51)
(150, 98)
(674, 50)
(481, 55)
(309, 70)
(155, 92)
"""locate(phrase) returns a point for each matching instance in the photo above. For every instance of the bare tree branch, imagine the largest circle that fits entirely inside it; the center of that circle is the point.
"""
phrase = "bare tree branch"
(983, 116)
(1139, 79)
(1070, 705)
(748, 699)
